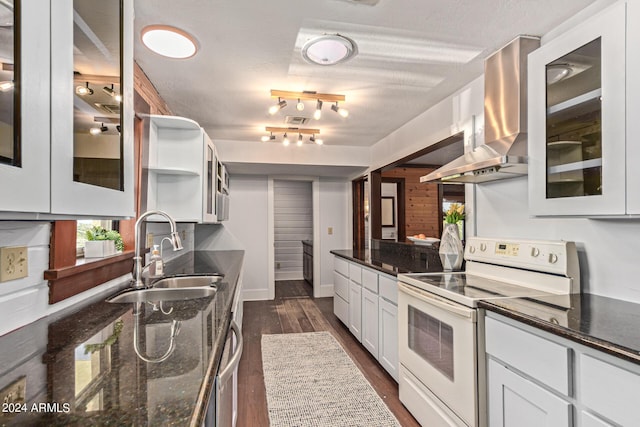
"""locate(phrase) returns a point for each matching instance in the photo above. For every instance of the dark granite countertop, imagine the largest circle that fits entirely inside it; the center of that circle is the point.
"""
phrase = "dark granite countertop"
(395, 258)
(83, 363)
(605, 324)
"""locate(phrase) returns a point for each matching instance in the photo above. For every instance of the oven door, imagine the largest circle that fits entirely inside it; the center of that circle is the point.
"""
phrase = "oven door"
(437, 345)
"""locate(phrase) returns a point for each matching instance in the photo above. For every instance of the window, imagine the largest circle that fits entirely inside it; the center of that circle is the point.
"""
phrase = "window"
(86, 224)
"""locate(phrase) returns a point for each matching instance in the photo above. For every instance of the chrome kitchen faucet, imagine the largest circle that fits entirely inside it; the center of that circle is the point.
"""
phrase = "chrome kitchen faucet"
(137, 259)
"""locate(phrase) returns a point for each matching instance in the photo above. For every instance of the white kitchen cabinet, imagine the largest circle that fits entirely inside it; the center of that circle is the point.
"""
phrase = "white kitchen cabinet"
(355, 309)
(532, 388)
(84, 46)
(388, 336)
(370, 329)
(182, 170)
(577, 107)
(44, 172)
(515, 401)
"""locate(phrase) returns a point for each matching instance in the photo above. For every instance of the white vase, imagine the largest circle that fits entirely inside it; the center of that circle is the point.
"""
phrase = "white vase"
(451, 251)
(99, 248)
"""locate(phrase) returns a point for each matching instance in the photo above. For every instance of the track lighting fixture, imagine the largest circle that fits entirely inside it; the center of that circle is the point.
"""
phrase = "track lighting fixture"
(279, 106)
(84, 90)
(344, 113)
(287, 130)
(315, 140)
(307, 95)
(269, 137)
(118, 128)
(99, 130)
(112, 93)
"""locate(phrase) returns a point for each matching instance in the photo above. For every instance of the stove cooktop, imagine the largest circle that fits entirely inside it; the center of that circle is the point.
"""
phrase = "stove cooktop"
(467, 289)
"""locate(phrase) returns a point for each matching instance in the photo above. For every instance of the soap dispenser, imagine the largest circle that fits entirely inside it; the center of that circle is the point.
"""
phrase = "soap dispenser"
(156, 268)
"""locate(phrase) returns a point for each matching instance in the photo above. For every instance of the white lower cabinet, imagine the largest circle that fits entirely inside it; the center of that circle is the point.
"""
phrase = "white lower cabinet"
(515, 401)
(388, 336)
(535, 378)
(370, 321)
(366, 301)
(355, 310)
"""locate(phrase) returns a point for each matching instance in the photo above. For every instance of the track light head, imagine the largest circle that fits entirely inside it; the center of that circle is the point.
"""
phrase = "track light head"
(344, 113)
(95, 131)
(313, 138)
(299, 143)
(318, 113)
(109, 90)
(103, 128)
(277, 107)
(269, 137)
(84, 90)
(299, 105)
(118, 128)
(285, 140)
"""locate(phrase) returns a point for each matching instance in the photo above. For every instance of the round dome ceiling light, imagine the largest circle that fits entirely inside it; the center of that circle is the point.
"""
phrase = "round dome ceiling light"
(329, 49)
(558, 72)
(169, 41)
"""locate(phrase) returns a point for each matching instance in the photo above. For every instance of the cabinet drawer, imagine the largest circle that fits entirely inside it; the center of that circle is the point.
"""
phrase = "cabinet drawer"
(341, 309)
(537, 357)
(370, 280)
(341, 266)
(341, 286)
(609, 390)
(355, 273)
(388, 288)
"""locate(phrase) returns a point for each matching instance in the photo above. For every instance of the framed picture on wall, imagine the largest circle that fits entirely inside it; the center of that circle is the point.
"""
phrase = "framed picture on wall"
(388, 211)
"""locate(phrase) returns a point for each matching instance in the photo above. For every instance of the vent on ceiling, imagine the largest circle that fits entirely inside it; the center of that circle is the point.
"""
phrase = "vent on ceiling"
(296, 120)
(109, 108)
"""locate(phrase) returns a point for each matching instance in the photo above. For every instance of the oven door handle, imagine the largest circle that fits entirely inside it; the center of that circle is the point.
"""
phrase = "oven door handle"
(435, 301)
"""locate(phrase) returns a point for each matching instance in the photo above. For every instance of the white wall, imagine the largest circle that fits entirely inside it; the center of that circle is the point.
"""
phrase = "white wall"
(25, 300)
(248, 222)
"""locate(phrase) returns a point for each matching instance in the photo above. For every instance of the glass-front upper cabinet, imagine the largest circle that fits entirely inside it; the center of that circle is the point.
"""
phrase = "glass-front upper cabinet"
(577, 120)
(92, 128)
(24, 105)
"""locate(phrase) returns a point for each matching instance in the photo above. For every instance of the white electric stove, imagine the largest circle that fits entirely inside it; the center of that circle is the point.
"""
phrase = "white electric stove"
(440, 340)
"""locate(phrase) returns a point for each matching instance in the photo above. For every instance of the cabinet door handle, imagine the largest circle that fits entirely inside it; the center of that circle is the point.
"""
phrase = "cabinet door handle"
(235, 359)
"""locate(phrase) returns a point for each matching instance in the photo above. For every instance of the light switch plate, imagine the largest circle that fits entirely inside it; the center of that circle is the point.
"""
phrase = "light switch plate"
(13, 263)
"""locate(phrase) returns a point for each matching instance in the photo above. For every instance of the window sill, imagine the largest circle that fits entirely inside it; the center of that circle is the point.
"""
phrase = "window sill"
(66, 282)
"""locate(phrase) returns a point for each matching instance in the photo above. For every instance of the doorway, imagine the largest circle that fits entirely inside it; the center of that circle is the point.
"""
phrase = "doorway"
(292, 234)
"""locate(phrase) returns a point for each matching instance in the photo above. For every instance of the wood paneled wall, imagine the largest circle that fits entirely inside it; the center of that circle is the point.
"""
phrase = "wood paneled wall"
(422, 201)
(148, 92)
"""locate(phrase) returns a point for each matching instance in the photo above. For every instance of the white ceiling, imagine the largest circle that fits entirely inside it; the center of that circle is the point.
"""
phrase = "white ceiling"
(412, 54)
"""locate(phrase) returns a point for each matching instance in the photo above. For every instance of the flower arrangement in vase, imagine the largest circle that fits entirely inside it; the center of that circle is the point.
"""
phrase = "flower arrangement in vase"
(451, 250)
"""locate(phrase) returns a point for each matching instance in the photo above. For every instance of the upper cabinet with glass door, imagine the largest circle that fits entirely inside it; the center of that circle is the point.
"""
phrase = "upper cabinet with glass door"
(24, 105)
(577, 120)
(92, 102)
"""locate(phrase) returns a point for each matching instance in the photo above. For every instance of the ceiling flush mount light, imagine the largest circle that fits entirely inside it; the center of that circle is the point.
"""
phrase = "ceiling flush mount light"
(285, 138)
(344, 113)
(277, 107)
(306, 96)
(169, 41)
(329, 49)
(558, 72)
(84, 90)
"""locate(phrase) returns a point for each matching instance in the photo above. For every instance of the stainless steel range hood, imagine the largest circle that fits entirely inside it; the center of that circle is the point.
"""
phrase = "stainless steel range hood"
(505, 121)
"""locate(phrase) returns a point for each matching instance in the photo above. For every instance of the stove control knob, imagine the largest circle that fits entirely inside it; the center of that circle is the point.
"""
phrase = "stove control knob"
(535, 252)
(472, 249)
(553, 258)
(483, 247)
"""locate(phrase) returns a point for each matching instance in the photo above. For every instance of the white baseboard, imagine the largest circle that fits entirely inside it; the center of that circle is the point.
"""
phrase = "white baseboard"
(326, 290)
(255, 294)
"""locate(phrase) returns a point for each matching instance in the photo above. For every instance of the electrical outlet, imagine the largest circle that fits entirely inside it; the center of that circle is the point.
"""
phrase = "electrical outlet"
(13, 263)
(149, 240)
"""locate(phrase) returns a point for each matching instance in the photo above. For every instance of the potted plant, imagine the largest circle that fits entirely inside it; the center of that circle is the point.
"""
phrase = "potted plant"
(101, 242)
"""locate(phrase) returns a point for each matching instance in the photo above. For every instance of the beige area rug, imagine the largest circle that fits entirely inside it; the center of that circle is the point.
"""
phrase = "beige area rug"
(311, 381)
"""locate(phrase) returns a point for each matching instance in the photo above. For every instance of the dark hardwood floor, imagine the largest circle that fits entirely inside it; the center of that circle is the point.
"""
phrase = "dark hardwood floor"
(295, 310)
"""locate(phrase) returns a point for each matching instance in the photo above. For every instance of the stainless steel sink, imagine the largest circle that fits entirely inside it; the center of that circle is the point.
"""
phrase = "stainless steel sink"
(187, 281)
(178, 288)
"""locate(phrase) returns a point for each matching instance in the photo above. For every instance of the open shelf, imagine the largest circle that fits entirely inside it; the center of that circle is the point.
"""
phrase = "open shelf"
(575, 166)
(173, 171)
(584, 101)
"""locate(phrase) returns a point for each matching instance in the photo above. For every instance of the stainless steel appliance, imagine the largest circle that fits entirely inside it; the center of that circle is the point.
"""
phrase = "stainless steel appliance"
(441, 347)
